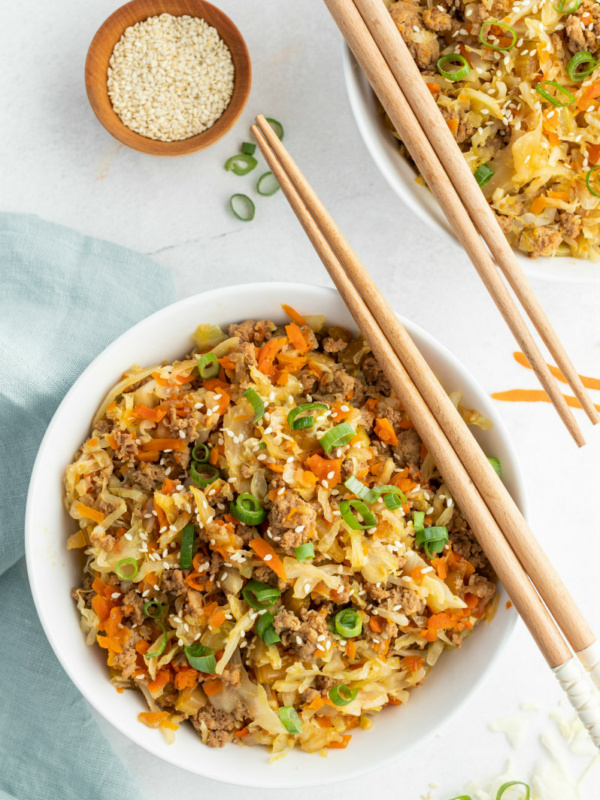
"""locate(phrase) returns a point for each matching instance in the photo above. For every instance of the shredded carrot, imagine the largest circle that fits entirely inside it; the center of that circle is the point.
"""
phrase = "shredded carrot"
(587, 97)
(214, 384)
(378, 467)
(350, 649)
(172, 380)
(538, 205)
(309, 479)
(414, 663)
(161, 680)
(326, 469)
(168, 486)
(433, 88)
(102, 607)
(294, 315)
(340, 411)
(590, 383)
(508, 604)
(152, 414)
(215, 453)
(534, 396)
(593, 153)
(164, 444)
(90, 513)
(161, 516)
(340, 745)
(404, 484)
(316, 704)
(186, 679)
(226, 363)
(297, 338)
(142, 647)
(324, 722)
(274, 467)
(439, 564)
(267, 354)
(376, 624)
(242, 732)
(217, 620)
(153, 719)
(192, 581)
(151, 455)
(452, 124)
(212, 687)
(264, 551)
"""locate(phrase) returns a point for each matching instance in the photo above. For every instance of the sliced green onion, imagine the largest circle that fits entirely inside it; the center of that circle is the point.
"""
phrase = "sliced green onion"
(248, 510)
(242, 207)
(241, 164)
(260, 595)
(360, 490)
(505, 786)
(495, 462)
(348, 623)
(262, 445)
(256, 402)
(337, 437)
(267, 185)
(201, 453)
(433, 539)
(187, 547)
(392, 496)
(201, 658)
(208, 366)
(248, 148)
(418, 520)
(305, 552)
(483, 174)
(203, 474)
(290, 719)
(585, 57)
(162, 645)
(566, 6)
(458, 74)
(587, 182)
(369, 519)
(277, 127)
(489, 23)
(298, 423)
(559, 88)
(148, 609)
(342, 695)
(127, 569)
(265, 629)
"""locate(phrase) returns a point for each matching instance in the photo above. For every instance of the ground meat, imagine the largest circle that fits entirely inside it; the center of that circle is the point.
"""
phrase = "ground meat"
(147, 478)
(220, 724)
(367, 419)
(464, 129)
(394, 415)
(347, 469)
(504, 222)
(341, 383)
(127, 660)
(307, 635)
(331, 345)
(422, 43)
(99, 478)
(569, 224)
(308, 381)
(323, 683)
(407, 453)
(264, 574)
(288, 513)
(389, 631)
(171, 427)
(250, 331)
(465, 545)
(103, 426)
(540, 241)
(309, 695)
(232, 675)
(582, 29)
(376, 593)
(375, 377)
(133, 607)
(437, 20)
(171, 580)
(499, 9)
(127, 448)
(194, 605)
(410, 601)
(481, 587)
(243, 360)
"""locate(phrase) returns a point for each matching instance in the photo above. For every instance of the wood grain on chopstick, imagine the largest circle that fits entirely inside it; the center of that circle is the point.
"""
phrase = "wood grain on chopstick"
(505, 563)
(387, 90)
(498, 499)
(407, 75)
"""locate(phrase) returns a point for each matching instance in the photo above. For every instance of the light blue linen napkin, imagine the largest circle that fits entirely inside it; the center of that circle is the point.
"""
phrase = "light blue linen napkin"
(63, 298)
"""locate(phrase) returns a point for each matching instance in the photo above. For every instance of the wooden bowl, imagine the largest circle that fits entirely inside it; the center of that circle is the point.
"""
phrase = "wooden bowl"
(101, 48)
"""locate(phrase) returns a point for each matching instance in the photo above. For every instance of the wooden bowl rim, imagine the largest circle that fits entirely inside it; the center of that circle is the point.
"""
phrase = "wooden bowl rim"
(97, 90)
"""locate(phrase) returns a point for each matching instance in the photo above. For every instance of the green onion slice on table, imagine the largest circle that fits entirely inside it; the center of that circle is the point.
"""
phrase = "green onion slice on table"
(201, 658)
(495, 462)
(305, 552)
(588, 178)
(277, 127)
(348, 623)
(483, 174)
(369, 519)
(203, 474)
(163, 643)
(256, 402)
(260, 595)
(551, 99)
(433, 539)
(241, 164)
(493, 23)
(248, 148)
(460, 63)
(248, 510)
(242, 207)
(267, 185)
(298, 423)
(566, 6)
(127, 569)
(337, 437)
(186, 553)
(148, 609)
(342, 695)
(201, 453)
(208, 366)
(585, 60)
(290, 719)
(265, 629)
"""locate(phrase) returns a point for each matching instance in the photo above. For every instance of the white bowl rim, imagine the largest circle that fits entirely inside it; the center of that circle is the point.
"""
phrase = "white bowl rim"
(422, 203)
(272, 780)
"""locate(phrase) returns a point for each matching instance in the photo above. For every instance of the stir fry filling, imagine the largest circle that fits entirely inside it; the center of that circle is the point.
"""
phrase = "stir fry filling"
(268, 549)
(518, 84)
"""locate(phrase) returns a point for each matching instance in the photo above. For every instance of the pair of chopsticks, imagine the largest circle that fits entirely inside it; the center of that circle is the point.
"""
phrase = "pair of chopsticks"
(520, 563)
(382, 54)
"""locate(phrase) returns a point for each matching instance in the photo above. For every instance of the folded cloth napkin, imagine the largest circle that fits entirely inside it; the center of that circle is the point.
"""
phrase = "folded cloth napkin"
(64, 297)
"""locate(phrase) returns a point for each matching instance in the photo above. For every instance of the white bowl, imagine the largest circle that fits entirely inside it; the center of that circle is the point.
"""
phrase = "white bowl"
(401, 176)
(53, 571)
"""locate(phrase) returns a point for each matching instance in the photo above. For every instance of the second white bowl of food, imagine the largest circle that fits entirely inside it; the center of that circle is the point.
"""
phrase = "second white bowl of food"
(383, 148)
(54, 571)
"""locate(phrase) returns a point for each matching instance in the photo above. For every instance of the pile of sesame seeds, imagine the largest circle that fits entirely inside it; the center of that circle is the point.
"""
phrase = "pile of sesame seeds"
(170, 78)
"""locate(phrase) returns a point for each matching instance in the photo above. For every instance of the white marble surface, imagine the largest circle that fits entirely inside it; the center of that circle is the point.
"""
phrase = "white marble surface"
(58, 162)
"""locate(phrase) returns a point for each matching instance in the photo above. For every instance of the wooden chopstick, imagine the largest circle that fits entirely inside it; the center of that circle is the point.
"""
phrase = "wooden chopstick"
(508, 516)
(407, 75)
(505, 563)
(386, 88)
